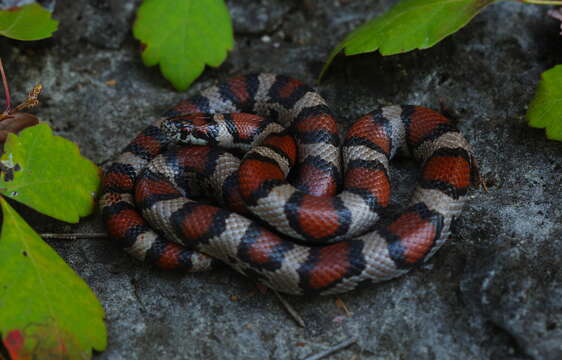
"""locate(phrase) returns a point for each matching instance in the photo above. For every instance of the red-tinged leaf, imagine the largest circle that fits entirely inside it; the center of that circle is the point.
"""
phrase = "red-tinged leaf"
(43, 302)
(13, 342)
(41, 341)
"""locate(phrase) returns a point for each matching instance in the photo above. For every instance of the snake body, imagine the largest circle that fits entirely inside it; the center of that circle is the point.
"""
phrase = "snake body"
(319, 232)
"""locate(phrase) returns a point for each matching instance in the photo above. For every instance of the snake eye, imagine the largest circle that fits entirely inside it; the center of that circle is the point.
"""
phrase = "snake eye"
(177, 128)
(183, 135)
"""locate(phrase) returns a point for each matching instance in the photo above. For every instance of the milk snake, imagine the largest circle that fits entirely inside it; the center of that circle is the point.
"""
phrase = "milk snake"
(316, 233)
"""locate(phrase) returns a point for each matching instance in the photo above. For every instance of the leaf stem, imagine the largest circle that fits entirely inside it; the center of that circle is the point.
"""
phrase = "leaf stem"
(542, 2)
(6, 89)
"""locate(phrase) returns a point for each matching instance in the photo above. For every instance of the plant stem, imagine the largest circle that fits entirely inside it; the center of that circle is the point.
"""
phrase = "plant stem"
(333, 349)
(542, 2)
(6, 89)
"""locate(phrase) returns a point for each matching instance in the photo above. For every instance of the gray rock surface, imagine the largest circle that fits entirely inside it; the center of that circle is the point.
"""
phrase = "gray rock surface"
(494, 291)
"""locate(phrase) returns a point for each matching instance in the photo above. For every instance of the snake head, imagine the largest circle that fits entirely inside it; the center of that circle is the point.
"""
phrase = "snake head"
(194, 128)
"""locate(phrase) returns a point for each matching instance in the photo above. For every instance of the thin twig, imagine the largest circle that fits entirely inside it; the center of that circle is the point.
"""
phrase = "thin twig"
(542, 2)
(290, 309)
(482, 183)
(333, 349)
(6, 88)
(74, 236)
(343, 306)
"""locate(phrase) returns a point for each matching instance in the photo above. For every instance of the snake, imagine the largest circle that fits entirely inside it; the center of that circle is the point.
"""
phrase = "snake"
(252, 173)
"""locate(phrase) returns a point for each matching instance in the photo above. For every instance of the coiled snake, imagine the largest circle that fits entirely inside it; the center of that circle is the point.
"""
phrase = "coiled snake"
(319, 231)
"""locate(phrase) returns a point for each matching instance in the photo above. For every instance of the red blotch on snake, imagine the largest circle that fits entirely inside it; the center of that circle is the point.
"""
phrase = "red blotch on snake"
(422, 123)
(454, 170)
(317, 216)
(417, 235)
(332, 265)
(374, 181)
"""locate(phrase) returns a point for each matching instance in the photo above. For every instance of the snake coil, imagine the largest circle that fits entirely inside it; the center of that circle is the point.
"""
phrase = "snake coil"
(319, 232)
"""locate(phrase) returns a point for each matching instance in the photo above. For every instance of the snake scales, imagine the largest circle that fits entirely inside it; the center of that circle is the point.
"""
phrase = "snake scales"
(187, 206)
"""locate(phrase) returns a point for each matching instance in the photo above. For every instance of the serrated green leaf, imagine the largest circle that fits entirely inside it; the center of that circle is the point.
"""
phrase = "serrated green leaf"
(182, 36)
(409, 25)
(545, 111)
(28, 22)
(46, 310)
(47, 173)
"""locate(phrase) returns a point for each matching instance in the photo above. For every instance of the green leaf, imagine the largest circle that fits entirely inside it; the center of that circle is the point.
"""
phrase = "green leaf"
(182, 36)
(46, 310)
(47, 173)
(545, 110)
(409, 25)
(28, 22)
